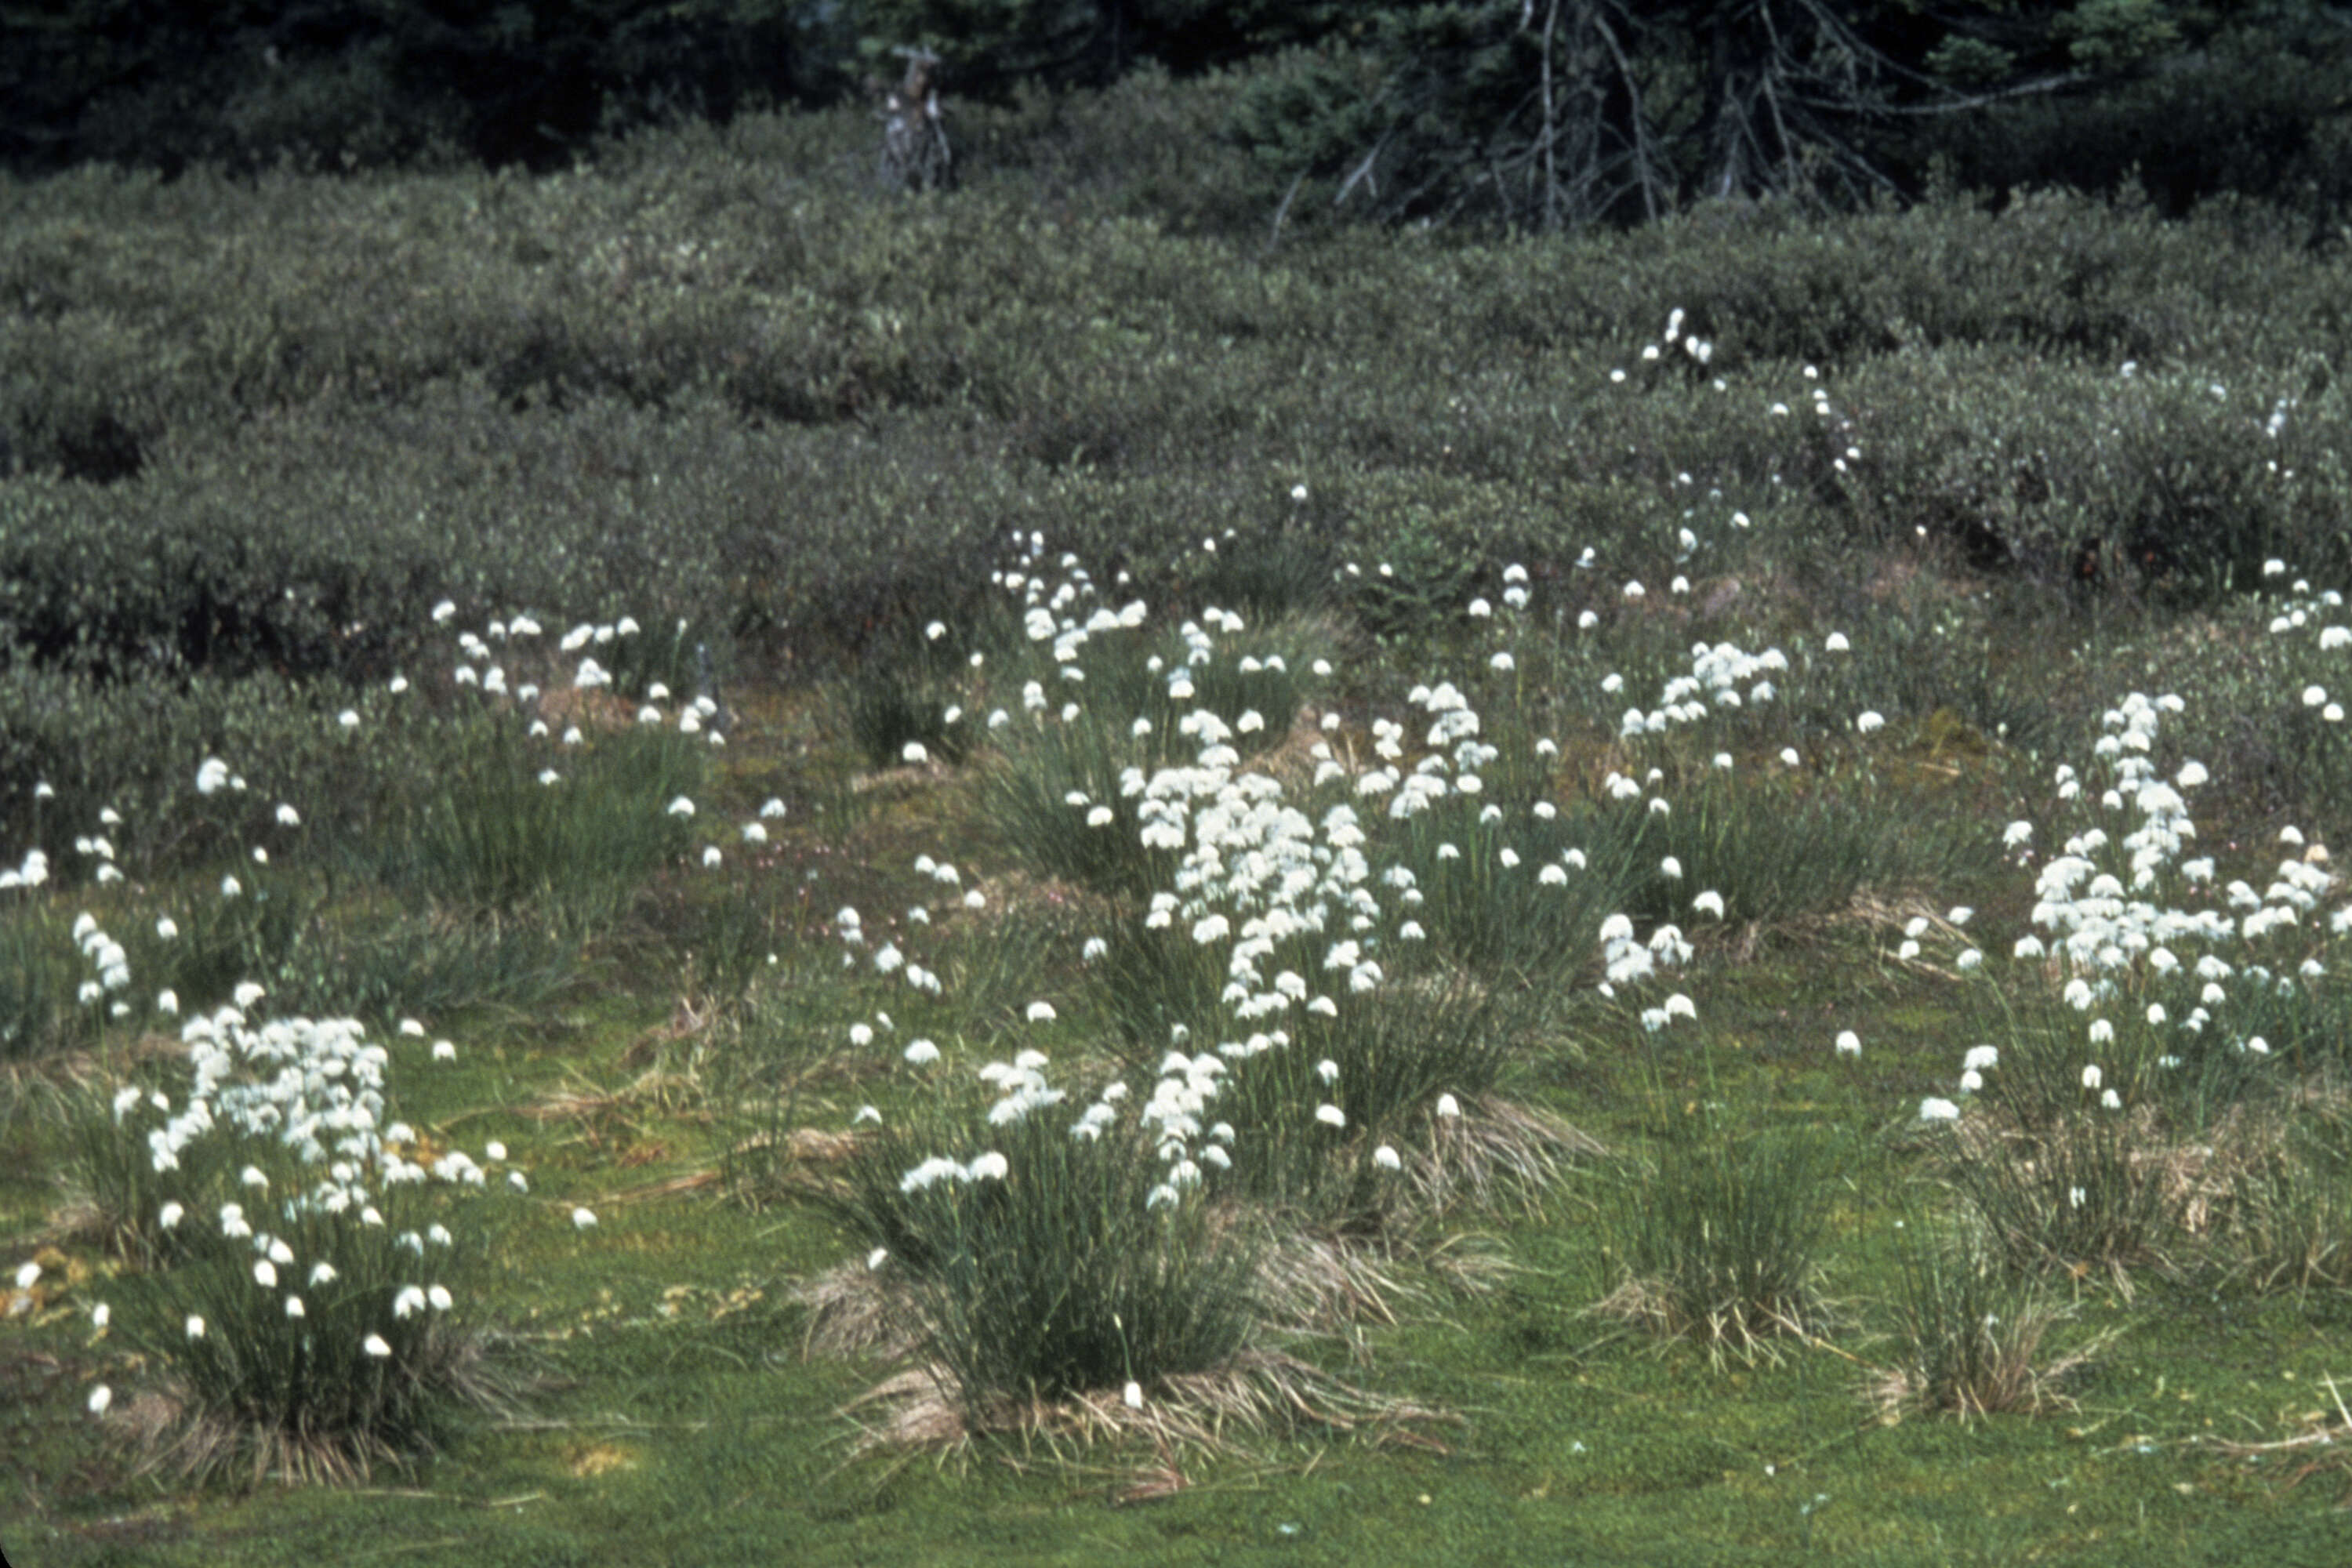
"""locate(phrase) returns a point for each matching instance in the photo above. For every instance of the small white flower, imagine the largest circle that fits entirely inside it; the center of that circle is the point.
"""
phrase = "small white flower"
(99, 1398)
(1934, 1109)
(265, 1273)
(1041, 1012)
(922, 1053)
(681, 807)
(99, 1314)
(294, 1306)
(440, 1298)
(583, 1218)
(1330, 1116)
(1387, 1158)
(444, 1051)
(1849, 1044)
(196, 1326)
(375, 1346)
(27, 1274)
(1133, 1395)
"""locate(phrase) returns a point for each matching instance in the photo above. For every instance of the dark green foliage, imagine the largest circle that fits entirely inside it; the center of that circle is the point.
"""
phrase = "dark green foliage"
(2255, 117)
(290, 417)
(340, 84)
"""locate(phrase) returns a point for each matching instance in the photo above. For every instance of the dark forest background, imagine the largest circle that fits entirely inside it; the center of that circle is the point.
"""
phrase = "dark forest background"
(1535, 114)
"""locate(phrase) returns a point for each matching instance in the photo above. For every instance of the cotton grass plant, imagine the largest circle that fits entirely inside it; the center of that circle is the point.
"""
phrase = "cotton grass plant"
(1075, 1274)
(1103, 699)
(510, 820)
(1056, 1256)
(315, 1316)
(2128, 1075)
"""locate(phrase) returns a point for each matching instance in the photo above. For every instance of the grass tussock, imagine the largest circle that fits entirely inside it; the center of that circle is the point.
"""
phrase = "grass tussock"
(1262, 1394)
(1972, 1336)
(1717, 1238)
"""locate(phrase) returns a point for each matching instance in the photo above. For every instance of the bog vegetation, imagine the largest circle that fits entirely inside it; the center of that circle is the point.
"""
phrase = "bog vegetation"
(674, 834)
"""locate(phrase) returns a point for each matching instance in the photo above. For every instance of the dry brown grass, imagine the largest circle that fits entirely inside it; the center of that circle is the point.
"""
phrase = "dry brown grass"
(1497, 1153)
(1748, 1329)
(854, 1310)
(1263, 1393)
(2002, 1370)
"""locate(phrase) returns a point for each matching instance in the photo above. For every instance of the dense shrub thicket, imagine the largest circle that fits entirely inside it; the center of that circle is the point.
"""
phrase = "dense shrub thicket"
(258, 428)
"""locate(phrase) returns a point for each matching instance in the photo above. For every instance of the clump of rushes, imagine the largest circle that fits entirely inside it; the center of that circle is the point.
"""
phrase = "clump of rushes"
(1339, 1027)
(506, 820)
(555, 775)
(1772, 831)
(37, 1015)
(2110, 1103)
(1067, 1270)
(2290, 1201)
(1970, 1335)
(1718, 1237)
(317, 1317)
